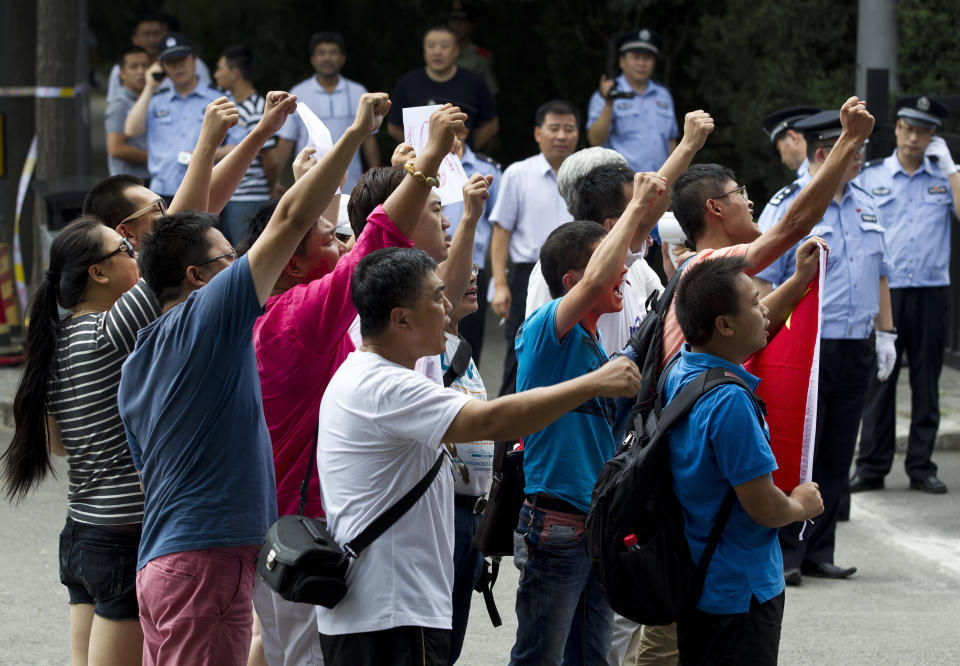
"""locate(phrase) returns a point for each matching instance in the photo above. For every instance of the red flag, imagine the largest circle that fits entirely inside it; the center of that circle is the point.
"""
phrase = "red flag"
(790, 367)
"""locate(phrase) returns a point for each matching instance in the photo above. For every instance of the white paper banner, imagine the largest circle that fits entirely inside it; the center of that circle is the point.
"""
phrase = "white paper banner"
(452, 177)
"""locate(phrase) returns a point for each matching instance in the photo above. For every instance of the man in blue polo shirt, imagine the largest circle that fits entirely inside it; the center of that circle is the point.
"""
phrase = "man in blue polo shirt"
(171, 116)
(334, 98)
(633, 114)
(561, 608)
(722, 443)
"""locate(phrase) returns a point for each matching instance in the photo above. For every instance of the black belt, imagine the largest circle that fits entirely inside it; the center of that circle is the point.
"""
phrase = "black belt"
(553, 504)
(469, 502)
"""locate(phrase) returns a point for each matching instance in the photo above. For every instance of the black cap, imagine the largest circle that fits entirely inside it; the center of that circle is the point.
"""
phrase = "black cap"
(174, 45)
(643, 39)
(820, 126)
(783, 119)
(922, 110)
(462, 10)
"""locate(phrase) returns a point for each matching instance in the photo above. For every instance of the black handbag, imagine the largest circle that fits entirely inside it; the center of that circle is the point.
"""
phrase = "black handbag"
(494, 535)
(301, 562)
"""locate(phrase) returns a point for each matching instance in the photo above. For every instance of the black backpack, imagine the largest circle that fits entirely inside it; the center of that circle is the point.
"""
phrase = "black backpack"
(645, 348)
(656, 581)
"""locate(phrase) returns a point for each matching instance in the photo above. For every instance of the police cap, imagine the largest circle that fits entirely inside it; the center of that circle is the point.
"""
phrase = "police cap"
(174, 45)
(643, 39)
(921, 110)
(774, 124)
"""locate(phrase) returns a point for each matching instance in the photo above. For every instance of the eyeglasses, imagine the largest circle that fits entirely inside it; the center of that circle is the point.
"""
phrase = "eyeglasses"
(125, 246)
(742, 190)
(159, 203)
(232, 254)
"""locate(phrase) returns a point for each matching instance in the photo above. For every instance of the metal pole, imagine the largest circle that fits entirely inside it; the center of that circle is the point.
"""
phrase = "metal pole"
(876, 41)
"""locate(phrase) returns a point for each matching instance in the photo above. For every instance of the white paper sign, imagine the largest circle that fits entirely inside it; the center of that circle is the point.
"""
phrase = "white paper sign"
(452, 177)
(319, 134)
(320, 137)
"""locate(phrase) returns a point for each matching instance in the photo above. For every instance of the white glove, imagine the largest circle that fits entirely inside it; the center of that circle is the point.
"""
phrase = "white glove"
(886, 354)
(939, 150)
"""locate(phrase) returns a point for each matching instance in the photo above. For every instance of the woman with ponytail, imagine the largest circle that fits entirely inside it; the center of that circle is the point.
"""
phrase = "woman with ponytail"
(66, 404)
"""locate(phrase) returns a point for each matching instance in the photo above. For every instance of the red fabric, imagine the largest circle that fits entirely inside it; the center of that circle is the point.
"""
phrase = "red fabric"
(786, 366)
(300, 341)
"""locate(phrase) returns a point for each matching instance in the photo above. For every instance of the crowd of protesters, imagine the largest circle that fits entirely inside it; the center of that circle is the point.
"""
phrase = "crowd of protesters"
(205, 338)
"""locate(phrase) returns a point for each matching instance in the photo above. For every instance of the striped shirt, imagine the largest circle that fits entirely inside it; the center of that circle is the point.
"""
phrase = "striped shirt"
(82, 398)
(253, 186)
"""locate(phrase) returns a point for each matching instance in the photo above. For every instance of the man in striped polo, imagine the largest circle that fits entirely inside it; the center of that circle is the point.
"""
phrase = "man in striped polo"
(234, 73)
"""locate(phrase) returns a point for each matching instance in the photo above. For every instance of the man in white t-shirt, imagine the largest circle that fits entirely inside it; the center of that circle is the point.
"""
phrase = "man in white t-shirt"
(381, 428)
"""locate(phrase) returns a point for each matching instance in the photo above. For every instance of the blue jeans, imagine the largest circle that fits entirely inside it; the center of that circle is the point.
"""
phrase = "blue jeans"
(563, 616)
(467, 561)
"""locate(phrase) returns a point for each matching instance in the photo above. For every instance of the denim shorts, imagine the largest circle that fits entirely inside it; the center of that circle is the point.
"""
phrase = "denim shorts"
(98, 565)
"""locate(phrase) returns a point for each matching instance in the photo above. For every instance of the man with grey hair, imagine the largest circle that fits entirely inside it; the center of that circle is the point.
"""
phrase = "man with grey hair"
(596, 184)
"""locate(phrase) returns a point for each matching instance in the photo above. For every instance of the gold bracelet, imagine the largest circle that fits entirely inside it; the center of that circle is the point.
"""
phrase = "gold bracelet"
(429, 181)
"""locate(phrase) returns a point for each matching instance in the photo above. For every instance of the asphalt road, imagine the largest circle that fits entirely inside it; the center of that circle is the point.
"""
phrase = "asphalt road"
(902, 607)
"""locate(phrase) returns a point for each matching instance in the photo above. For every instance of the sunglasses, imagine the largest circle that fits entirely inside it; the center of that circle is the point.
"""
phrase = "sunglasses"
(159, 204)
(125, 246)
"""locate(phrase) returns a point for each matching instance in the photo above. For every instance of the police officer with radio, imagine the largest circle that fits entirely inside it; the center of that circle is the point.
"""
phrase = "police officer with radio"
(633, 114)
(856, 302)
(916, 189)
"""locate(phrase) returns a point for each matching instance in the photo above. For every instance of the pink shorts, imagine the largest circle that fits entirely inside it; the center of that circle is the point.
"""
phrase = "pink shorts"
(195, 606)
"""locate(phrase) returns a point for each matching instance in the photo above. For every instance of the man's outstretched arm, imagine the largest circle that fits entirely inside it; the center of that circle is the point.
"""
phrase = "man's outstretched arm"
(812, 201)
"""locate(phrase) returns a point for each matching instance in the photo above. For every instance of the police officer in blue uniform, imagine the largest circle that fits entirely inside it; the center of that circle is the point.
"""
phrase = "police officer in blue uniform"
(916, 189)
(633, 114)
(471, 327)
(856, 301)
(785, 140)
(175, 115)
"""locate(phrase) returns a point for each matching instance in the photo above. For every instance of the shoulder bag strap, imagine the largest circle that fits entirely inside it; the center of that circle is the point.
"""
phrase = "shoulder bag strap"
(459, 363)
(306, 479)
(394, 513)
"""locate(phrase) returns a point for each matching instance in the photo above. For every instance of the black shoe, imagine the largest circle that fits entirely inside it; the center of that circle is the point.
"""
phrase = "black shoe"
(931, 485)
(825, 570)
(792, 576)
(859, 484)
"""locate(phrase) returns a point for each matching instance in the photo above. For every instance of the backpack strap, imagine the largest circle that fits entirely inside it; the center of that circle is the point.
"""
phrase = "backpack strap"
(386, 519)
(701, 385)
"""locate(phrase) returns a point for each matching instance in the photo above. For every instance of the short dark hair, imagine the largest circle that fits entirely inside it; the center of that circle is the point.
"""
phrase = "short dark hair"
(812, 146)
(240, 56)
(255, 226)
(107, 202)
(327, 37)
(177, 241)
(130, 50)
(707, 290)
(373, 188)
(567, 248)
(155, 17)
(599, 194)
(386, 279)
(558, 107)
(440, 27)
(690, 192)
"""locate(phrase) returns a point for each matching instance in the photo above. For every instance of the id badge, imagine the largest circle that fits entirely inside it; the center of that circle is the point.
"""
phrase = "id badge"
(183, 157)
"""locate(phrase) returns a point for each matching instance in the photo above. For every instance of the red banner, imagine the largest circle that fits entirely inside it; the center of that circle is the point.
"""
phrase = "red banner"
(790, 367)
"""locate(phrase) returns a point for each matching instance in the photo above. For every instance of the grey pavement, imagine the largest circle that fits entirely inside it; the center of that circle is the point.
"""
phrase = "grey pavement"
(900, 608)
